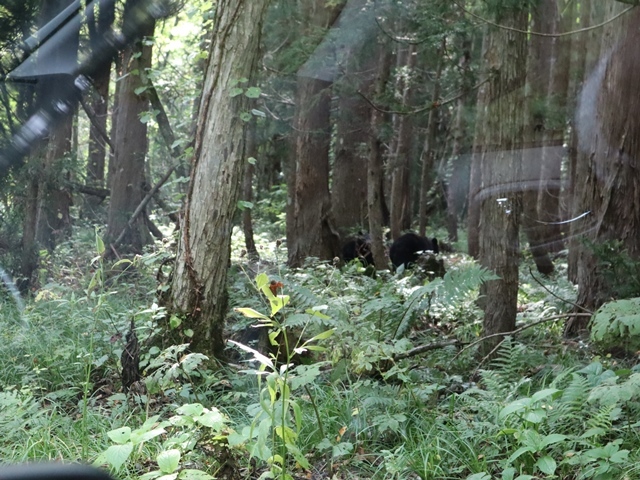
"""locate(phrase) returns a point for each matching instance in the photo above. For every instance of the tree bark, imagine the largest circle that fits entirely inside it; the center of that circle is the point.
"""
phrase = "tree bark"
(312, 233)
(456, 166)
(538, 74)
(127, 180)
(608, 162)
(97, 146)
(349, 174)
(549, 206)
(375, 167)
(400, 163)
(247, 190)
(500, 169)
(199, 281)
(428, 151)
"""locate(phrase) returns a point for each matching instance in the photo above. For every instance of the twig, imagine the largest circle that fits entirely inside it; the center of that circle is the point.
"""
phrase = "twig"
(540, 34)
(557, 296)
(427, 107)
(426, 348)
(142, 205)
(524, 327)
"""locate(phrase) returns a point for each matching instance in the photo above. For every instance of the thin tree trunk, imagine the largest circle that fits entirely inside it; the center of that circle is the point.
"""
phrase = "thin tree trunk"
(199, 287)
(538, 74)
(428, 151)
(247, 190)
(375, 193)
(400, 164)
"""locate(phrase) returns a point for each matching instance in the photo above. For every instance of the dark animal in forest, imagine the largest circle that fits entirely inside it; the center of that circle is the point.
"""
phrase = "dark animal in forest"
(358, 247)
(405, 249)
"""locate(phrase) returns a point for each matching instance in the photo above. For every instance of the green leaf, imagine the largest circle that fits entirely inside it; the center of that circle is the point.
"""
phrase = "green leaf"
(535, 416)
(342, 448)
(138, 437)
(253, 92)
(252, 160)
(193, 474)
(262, 280)
(213, 419)
(235, 91)
(517, 453)
(258, 113)
(250, 313)
(120, 435)
(140, 90)
(479, 476)
(245, 117)
(174, 322)
(546, 465)
(99, 244)
(191, 409)
(536, 397)
(169, 460)
(514, 406)
(244, 205)
(116, 455)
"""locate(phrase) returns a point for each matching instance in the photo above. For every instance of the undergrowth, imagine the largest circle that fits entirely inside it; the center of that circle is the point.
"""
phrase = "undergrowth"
(335, 375)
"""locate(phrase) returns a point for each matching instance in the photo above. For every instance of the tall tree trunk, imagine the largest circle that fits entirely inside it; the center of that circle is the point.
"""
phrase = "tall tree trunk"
(97, 147)
(400, 163)
(501, 167)
(375, 167)
(127, 181)
(349, 174)
(312, 233)
(475, 170)
(199, 281)
(428, 151)
(538, 74)
(310, 229)
(549, 207)
(456, 166)
(608, 166)
(251, 148)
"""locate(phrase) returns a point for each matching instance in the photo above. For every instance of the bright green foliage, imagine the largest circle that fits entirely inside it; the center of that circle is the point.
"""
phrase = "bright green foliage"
(617, 325)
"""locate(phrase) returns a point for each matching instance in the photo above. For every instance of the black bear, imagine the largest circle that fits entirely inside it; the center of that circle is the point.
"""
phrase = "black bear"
(358, 247)
(404, 249)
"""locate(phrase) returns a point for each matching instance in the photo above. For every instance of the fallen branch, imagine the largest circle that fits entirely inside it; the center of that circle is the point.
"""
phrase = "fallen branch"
(426, 348)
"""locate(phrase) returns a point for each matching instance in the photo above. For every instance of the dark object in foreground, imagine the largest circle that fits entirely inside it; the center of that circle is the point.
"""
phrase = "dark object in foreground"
(405, 249)
(358, 247)
(52, 471)
(130, 360)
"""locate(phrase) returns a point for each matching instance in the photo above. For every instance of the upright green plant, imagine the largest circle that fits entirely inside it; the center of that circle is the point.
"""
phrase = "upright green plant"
(273, 434)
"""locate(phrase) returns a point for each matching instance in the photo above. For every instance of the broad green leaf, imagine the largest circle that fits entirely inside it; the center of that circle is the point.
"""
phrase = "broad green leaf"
(193, 474)
(262, 280)
(235, 92)
(140, 437)
(116, 455)
(169, 460)
(546, 465)
(514, 406)
(174, 322)
(212, 419)
(191, 409)
(536, 397)
(253, 92)
(120, 435)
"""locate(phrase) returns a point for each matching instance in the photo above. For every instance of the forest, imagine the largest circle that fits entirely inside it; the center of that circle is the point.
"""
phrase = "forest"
(341, 239)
